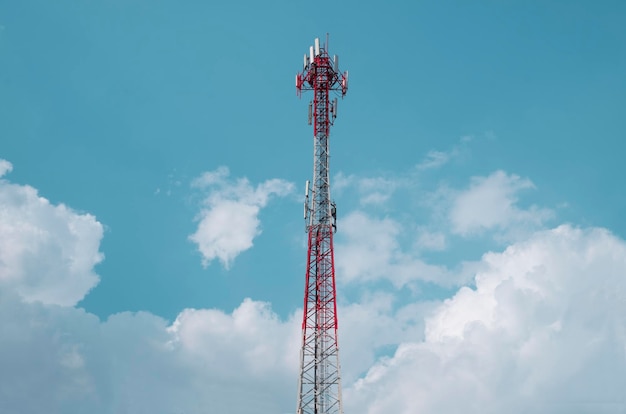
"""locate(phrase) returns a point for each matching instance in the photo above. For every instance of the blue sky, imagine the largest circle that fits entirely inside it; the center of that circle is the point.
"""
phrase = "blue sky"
(469, 127)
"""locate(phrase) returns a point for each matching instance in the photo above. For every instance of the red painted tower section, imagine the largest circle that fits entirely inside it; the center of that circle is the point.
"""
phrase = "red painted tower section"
(319, 388)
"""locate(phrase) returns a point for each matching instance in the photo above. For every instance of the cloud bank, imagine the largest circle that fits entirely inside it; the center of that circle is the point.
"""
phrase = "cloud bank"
(542, 328)
(543, 331)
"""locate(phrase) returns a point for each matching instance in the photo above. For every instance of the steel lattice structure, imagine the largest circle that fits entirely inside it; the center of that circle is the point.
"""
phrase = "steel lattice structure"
(319, 388)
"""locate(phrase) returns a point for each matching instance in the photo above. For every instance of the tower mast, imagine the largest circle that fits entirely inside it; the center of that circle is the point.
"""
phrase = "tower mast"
(319, 387)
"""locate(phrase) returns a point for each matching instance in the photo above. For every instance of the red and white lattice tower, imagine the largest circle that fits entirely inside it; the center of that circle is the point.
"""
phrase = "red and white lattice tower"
(319, 388)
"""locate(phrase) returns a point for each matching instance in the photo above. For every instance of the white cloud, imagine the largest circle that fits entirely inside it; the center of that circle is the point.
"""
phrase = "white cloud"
(371, 191)
(543, 331)
(434, 159)
(252, 338)
(490, 203)
(376, 190)
(376, 324)
(47, 252)
(341, 181)
(5, 167)
(369, 249)
(207, 359)
(63, 360)
(431, 240)
(228, 221)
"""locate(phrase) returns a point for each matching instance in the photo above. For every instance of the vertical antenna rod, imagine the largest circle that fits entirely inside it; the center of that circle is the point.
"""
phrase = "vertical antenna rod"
(319, 385)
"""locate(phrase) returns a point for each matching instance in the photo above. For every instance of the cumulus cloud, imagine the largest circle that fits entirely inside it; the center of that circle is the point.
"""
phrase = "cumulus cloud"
(252, 338)
(490, 203)
(64, 360)
(47, 252)
(373, 327)
(544, 330)
(229, 220)
(369, 249)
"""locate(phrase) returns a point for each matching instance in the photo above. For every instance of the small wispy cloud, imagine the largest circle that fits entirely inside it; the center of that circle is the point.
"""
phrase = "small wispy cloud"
(434, 159)
(371, 191)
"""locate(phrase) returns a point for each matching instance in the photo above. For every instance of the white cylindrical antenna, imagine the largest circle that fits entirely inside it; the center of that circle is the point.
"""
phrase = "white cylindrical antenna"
(306, 191)
(336, 63)
(317, 46)
(312, 55)
(297, 80)
(306, 61)
(310, 112)
(305, 210)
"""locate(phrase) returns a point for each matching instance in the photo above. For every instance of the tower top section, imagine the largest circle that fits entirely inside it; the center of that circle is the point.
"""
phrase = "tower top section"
(320, 72)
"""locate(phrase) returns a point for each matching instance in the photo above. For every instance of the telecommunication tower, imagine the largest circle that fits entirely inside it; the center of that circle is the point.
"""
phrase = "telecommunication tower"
(319, 387)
